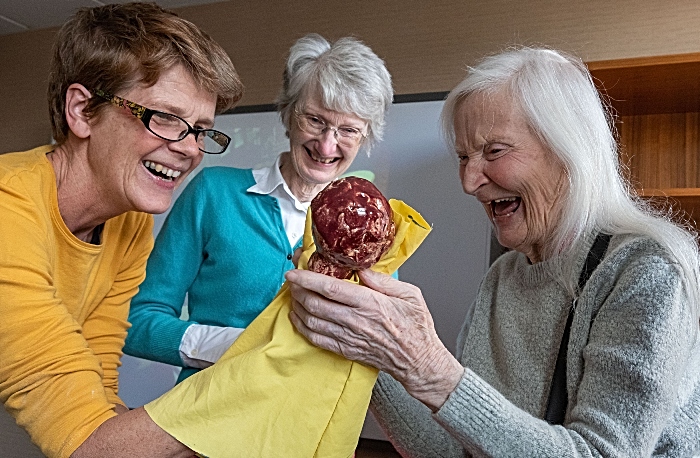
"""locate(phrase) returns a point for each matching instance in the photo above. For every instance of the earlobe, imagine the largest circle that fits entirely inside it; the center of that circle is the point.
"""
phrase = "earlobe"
(77, 97)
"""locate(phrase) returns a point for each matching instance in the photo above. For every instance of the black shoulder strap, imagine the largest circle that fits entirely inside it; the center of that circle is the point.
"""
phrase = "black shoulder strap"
(558, 395)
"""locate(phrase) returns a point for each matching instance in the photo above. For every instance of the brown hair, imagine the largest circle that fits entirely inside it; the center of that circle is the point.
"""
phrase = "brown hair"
(115, 47)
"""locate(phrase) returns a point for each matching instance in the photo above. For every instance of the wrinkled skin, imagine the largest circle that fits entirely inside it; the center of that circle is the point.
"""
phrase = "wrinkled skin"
(385, 324)
(313, 161)
(520, 183)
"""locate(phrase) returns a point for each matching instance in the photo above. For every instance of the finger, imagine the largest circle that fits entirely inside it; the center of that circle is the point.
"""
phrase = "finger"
(390, 286)
(322, 315)
(307, 301)
(296, 256)
(319, 339)
(331, 288)
(311, 322)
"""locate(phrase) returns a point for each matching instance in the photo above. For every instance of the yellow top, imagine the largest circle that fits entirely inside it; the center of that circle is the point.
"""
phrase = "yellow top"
(275, 394)
(63, 307)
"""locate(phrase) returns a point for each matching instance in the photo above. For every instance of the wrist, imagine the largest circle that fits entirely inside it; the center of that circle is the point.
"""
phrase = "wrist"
(434, 381)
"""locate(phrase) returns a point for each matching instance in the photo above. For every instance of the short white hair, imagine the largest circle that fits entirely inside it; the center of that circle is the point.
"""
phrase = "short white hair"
(562, 106)
(348, 75)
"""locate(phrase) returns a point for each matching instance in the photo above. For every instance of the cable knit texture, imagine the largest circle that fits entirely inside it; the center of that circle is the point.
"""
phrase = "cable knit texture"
(633, 366)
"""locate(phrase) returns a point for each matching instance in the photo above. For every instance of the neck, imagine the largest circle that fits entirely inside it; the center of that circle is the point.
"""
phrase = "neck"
(81, 211)
(304, 191)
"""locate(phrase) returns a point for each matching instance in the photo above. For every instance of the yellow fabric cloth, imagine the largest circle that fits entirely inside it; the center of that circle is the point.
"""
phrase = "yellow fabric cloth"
(64, 305)
(273, 393)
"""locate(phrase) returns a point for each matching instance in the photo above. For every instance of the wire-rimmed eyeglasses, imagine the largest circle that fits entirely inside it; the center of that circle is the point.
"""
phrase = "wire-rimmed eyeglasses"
(169, 126)
(347, 136)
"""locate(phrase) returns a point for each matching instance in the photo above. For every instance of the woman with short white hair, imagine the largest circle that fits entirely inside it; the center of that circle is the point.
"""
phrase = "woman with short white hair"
(240, 227)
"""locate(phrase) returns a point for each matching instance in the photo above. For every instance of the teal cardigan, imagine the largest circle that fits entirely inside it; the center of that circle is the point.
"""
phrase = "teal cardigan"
(223, 247)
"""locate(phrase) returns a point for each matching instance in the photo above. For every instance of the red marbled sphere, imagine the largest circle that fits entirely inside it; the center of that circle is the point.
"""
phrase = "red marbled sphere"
(353, 227)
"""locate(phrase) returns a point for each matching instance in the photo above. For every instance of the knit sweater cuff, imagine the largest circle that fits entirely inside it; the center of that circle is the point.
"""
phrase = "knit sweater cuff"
(473, 409)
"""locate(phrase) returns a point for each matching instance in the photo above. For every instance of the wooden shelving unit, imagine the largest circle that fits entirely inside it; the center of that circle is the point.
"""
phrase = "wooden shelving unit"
(657, 101)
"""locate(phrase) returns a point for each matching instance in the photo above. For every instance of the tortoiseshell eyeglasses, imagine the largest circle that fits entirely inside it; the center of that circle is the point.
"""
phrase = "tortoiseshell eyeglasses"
(169, 126)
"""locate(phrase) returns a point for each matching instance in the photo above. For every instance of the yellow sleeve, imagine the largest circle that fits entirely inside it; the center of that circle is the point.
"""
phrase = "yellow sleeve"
(63, 320)
(105, 328)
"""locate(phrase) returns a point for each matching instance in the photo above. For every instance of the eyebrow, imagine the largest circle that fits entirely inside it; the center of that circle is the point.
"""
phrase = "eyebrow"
(312, 112)
(177, 111)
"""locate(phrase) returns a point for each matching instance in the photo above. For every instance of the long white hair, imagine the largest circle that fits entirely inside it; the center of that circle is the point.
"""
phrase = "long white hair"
(562, 106)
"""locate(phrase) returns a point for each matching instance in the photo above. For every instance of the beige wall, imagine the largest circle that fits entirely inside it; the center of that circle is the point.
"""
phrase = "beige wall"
(426, 44)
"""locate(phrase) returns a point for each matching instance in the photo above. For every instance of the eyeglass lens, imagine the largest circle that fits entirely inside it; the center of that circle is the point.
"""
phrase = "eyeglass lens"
(171, 127)
(346, 136)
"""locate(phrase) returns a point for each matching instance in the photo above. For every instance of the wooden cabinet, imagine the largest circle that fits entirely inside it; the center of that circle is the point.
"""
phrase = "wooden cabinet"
(657, 101)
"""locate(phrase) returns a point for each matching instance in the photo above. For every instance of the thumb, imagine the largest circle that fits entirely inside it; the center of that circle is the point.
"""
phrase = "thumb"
(296, 256)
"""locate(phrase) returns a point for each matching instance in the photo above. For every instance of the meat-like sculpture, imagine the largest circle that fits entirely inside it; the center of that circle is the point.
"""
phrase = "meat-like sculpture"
(353, 227)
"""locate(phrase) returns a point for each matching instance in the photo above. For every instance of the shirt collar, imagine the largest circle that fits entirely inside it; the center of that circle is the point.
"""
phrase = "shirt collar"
(269, 180)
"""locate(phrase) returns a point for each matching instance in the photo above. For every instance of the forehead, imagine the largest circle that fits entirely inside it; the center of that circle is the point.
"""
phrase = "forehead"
(488, 116)
(489, 106)
(176, 92)
(313, 104)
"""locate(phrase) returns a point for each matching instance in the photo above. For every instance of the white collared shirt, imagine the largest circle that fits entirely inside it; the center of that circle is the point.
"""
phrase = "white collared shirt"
(203, 345)
(269, 180)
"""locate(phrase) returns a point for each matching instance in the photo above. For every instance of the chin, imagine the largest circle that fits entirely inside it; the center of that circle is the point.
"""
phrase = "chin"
(155, 208)
(158, 211)
(505, 240)
(319, 177)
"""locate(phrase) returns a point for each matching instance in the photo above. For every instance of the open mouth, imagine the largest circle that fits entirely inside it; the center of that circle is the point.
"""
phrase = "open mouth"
(161, 171)
(322, 160)
(506, 206)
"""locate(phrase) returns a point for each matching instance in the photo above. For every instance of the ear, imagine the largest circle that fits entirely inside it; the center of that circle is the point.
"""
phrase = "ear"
(77, 97)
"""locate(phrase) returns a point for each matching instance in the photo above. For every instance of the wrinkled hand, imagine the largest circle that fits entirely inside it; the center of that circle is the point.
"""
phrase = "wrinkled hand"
(385, 324)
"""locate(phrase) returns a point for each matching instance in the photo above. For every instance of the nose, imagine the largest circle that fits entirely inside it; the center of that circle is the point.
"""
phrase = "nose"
(328, 141)
(473, 175)
(188, 146)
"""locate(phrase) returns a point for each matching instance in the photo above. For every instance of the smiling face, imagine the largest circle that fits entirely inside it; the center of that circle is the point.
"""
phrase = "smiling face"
(316, 160)
(133, 168)
(520, 183)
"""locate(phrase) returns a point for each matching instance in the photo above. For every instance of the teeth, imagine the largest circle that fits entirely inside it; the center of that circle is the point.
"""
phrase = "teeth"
(322, 160)
(160, 168)
(507, 199)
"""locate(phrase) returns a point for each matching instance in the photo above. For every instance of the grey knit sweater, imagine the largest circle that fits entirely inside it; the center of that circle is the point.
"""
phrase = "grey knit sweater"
(633, 366)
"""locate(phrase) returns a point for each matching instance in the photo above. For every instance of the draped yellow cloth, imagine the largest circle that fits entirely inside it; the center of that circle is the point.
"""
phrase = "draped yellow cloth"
(273, 393)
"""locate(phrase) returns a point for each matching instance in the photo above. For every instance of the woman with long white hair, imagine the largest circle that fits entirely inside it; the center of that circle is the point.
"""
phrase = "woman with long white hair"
(583, 337)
